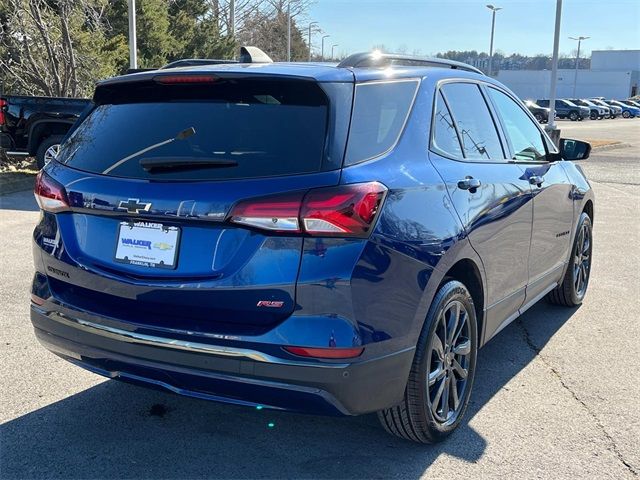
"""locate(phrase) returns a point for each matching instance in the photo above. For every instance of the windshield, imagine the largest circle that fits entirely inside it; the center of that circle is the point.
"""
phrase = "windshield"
(239, 130)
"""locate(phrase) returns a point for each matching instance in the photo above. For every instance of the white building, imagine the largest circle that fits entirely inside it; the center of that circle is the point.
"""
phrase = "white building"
(613, 74)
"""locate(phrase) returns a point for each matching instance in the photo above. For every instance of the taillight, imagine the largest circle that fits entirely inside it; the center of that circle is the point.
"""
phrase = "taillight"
(50, 195)
(335, 352)
(278, 213)
(343, 211)
(3, 104)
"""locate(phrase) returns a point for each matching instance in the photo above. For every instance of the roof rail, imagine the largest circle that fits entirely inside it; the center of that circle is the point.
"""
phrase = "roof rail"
(376, 59)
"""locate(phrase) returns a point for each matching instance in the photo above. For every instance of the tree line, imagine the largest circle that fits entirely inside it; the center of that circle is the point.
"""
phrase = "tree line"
(61, 47)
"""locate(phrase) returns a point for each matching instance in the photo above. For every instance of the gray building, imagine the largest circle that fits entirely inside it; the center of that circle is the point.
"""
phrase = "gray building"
(613, 74)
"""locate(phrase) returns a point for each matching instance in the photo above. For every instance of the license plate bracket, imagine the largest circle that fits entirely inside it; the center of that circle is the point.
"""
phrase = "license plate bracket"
(147, 244)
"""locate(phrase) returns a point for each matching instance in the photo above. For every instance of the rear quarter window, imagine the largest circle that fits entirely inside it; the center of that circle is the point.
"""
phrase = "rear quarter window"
(380, 112)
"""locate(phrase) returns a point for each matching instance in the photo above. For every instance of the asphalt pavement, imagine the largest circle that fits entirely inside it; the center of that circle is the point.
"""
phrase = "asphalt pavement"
(557, 393)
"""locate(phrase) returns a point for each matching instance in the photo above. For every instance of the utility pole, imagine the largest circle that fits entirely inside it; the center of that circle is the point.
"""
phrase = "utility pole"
(493, 27)
(133, 48)
(550, 128)
(322, 54)
(310, 25)
(575, 75)
(332, 47)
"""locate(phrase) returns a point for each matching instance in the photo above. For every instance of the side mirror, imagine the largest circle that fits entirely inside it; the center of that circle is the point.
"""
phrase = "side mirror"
(574, 149)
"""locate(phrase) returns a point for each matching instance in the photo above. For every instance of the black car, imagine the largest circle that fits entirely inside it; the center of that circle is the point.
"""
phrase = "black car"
(541, 113)
(567, 109)
(35, 126)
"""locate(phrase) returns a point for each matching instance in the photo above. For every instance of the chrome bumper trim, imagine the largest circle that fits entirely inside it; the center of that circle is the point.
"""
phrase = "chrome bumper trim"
(163, 342)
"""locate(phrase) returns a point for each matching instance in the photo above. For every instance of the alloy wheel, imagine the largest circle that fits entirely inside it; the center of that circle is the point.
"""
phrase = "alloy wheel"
(448, 363)
(51, 153)
(582, 261)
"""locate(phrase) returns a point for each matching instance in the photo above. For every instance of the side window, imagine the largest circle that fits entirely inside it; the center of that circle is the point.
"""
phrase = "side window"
(524, 135)
(477, 131)
(445, 137)
(379, 114)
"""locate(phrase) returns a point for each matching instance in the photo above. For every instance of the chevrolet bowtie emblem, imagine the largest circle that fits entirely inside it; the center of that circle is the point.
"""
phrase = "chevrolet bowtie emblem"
(133, 205)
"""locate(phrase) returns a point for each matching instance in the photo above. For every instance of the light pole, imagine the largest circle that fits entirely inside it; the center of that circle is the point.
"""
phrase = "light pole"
(332, 47)
(133, 49)
(575, 75)
(310, 25)
(551, 129)
(322, 54)
(493, 27)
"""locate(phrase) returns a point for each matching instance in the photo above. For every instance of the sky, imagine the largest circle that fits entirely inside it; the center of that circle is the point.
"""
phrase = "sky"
(430, 26)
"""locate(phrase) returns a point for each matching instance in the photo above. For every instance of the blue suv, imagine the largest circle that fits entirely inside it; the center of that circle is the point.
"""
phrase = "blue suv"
(308, 237)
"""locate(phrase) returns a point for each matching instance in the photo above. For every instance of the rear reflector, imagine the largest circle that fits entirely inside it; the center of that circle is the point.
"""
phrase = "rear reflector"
(326, 352)
(37, 300)
(50, 195)
(182, 79)
(343, 211)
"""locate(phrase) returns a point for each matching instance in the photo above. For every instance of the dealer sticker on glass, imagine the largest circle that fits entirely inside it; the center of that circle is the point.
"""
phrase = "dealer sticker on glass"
(147, 244)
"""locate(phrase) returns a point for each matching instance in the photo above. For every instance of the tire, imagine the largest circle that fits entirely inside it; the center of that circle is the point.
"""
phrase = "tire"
(414, 418)
(46, 148)
(593, 116)
(626, 114)
(573, 116)
(538, 117)
(571, 292)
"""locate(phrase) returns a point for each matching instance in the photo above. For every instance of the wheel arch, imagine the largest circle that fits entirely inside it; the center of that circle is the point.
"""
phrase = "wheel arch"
(467, 272)
(45, 128)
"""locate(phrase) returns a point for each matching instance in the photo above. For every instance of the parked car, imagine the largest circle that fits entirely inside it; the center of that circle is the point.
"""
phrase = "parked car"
(287, 236)
(614, 110)
(628, 111)
(596, 112)
(631, 103)
(567, 109)
(540, 113)
(34, 126)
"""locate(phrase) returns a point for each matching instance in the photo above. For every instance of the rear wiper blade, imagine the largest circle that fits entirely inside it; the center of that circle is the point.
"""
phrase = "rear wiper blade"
(184, 163)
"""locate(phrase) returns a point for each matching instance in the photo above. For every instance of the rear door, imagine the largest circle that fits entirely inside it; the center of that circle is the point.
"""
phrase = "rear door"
(152, 176)
(490, 194)
(552, 194)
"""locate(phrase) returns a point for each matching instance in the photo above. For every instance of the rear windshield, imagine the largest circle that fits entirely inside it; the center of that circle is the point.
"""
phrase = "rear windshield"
(225, 130)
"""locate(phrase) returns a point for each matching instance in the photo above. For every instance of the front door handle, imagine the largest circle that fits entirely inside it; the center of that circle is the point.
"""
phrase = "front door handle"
(469, 183)
(536, 180)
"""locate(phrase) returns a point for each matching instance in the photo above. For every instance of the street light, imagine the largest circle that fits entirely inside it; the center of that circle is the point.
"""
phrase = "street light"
(133, 50)
(310, 25)
(322, 54)
(332, 47)
(493, 27)
(551, 129)
(575, 75)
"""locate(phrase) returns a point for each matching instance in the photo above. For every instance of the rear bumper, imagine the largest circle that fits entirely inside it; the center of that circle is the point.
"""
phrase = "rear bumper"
(223, 373)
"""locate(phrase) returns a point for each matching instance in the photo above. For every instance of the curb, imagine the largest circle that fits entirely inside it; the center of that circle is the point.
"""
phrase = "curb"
(610, 146)
(13, 185)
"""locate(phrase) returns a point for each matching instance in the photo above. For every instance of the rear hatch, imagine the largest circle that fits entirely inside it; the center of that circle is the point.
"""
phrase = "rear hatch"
(182, 192)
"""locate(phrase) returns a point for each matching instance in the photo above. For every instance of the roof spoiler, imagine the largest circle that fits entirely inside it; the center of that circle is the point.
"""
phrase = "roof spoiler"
(383, 60)
(253, 55)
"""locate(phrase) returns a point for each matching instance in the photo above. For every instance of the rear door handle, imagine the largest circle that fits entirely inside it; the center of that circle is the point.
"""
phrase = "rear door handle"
(536, 180)
(469, 183)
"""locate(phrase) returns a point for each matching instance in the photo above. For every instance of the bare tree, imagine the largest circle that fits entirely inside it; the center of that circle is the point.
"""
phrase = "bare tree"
(38, 45)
